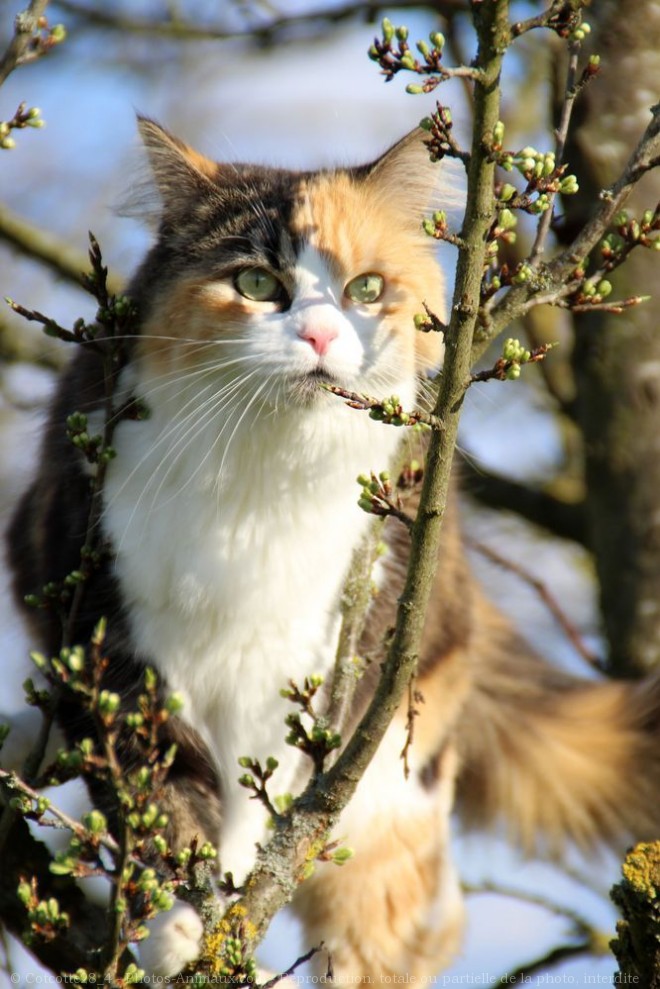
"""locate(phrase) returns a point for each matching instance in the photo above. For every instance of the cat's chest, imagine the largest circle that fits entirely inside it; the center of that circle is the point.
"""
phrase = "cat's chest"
(232, 586)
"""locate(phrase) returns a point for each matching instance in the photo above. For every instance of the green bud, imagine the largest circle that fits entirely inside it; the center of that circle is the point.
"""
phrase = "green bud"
(507, 220)
(24, 893)
(423, 49)
(150, 679)
(57, 34)
(513, 373)
(604, 288)
(498, 133)
(271, 764)
(594, 61)
(8, 143)
(414, 90)
(364, 480)
(407, 61)
(342, 855)
(569, 185)
(174, 703)
(402, 33)
(388, 30)
(207, 851)
(95, 822)
(245, 761)
(507, 192)
(149, 816)
(247, 780)
(108, 702)
(437, 39)
(426, 123)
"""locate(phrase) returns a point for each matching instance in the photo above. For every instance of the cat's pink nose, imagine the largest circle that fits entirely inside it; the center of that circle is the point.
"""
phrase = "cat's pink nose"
(318, 336)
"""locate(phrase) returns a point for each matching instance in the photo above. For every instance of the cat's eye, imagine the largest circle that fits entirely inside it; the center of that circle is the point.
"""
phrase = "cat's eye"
(365, 288)
(258, 285)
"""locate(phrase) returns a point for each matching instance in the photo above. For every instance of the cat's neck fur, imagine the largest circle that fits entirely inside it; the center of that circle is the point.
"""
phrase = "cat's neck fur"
(232, 566)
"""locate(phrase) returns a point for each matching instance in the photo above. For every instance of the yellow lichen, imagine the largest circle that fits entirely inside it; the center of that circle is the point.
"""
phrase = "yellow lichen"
(641, 869)
(226, 950)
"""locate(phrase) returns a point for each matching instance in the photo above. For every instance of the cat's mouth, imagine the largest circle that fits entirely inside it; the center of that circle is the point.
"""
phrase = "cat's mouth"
(305, 388)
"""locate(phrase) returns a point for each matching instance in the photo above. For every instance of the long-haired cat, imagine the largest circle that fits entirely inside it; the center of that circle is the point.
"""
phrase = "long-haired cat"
(231, 515)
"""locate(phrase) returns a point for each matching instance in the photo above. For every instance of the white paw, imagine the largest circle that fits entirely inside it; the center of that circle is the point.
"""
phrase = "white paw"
(174, 941)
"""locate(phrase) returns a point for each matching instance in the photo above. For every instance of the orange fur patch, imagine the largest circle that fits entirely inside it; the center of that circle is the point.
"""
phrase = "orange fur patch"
(395, 908)
(359, 228)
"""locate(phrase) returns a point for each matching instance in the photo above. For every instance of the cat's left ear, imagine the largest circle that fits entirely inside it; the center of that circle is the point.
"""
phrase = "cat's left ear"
(406, 173)
(180, 173)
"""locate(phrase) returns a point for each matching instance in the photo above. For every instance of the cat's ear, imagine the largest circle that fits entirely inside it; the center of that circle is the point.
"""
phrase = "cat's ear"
(179, 172)
(406, 173)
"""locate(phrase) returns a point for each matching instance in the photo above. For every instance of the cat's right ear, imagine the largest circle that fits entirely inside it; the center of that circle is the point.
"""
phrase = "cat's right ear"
(178, 171)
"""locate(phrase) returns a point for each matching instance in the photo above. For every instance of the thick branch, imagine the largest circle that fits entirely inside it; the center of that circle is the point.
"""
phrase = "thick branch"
(64, 260)
(562, 518)
(187, 30)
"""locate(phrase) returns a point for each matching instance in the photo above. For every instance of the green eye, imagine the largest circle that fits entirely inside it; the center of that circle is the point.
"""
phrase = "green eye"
(258, 285)
(365, 288)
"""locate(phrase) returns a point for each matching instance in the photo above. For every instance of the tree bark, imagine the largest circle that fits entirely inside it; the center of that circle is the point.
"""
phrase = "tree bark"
(617, 357)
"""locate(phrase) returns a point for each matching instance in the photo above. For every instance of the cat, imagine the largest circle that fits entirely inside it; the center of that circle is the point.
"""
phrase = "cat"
(231, 513)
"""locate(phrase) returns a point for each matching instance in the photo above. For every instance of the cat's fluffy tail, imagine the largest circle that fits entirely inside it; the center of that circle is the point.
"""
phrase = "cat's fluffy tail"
(554, 756)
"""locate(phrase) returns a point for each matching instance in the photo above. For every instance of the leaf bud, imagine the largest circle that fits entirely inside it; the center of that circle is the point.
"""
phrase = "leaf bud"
(437, 39)
(507, 220)
(414, 89)
(342, 855)
(174, 703)
(604, 288)
(507, 192)
(95, 822)
(108, 702)
(388, 29)
(498, 133)
(402, 33)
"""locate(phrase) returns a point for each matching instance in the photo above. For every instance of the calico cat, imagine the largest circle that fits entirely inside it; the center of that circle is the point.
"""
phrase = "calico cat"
(231, 515)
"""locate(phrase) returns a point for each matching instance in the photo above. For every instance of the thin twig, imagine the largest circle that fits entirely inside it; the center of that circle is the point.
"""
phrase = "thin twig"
(26, 25)
(298, 962)
(570, 96)
(548, 599)
(14, 782)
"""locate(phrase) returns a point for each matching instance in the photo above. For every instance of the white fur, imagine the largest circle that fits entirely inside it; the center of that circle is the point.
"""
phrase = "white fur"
(234, 526)
(174, 941)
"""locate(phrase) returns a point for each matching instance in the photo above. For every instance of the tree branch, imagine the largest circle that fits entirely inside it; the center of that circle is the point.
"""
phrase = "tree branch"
(181, 30)
(562, 518)
(62, 259)
(552, 281)
(26, 26)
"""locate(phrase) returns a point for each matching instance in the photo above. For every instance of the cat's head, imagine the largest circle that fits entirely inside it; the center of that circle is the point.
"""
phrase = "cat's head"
(288, 279)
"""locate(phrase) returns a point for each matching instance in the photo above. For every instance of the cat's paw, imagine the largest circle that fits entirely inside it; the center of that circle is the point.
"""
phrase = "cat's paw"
(174, 941)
